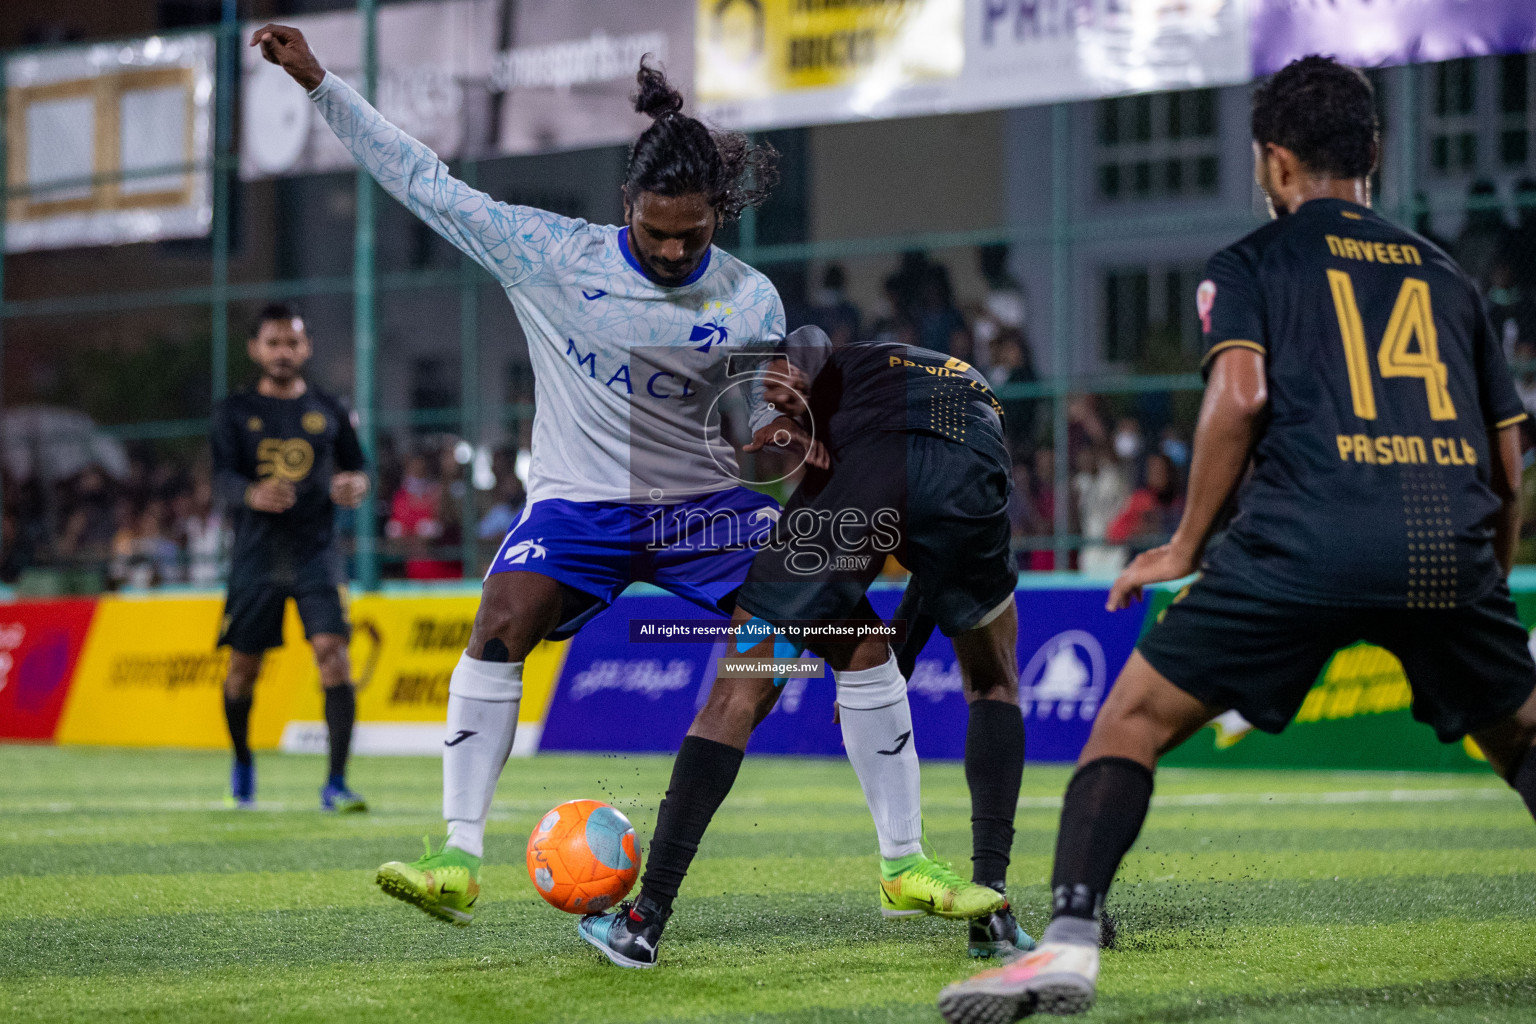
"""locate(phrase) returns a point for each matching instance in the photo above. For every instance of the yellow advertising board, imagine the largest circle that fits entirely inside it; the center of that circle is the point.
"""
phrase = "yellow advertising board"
(403, 653)
(752, 49)
(149, 675)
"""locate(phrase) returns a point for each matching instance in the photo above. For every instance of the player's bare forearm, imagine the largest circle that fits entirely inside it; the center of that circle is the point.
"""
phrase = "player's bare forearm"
(286, 47)
(1507, 463)
(1234, 403)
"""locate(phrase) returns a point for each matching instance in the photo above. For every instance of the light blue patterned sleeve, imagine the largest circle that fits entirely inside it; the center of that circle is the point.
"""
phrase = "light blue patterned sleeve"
(512, 242)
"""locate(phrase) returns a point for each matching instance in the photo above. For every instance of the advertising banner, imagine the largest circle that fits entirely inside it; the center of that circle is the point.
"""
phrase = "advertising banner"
(109, 143)
(615, 695)
(149, 676)
(472, 78)
(764, 63)
(772, 62)
(1020, 52)
(1371, 33)
(566, 79)
(39, 645)
(434, 61)
(403, 653)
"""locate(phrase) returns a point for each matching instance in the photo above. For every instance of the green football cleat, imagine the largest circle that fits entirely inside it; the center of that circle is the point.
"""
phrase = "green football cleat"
(917, 885)
(445, 884)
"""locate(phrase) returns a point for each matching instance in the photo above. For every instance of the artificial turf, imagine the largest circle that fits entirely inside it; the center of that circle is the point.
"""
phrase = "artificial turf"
(127, 893)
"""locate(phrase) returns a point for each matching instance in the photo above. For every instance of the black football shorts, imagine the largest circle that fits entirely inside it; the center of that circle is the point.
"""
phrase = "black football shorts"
(1230, 647)
(253, 609)
(940, 507)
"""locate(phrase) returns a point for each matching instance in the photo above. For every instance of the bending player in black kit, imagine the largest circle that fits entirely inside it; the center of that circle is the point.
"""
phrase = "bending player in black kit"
(283, 455)
(907, 457)
(1352, 361)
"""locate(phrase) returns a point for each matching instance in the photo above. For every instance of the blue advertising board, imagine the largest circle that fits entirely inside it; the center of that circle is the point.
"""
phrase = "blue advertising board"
(617, 695)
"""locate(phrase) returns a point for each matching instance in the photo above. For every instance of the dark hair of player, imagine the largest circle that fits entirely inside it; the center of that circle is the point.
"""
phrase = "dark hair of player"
(1324, 112)
(677, 155)
(274, 311)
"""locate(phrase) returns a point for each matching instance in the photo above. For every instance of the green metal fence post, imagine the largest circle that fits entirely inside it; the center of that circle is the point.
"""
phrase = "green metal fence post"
(1408, 144)
(223, 159)
(1061, 330)
(5, 200)
(469, 394)
(364, 332)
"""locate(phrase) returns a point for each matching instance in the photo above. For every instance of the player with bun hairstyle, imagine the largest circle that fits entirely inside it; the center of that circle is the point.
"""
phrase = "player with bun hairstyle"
(629, 329)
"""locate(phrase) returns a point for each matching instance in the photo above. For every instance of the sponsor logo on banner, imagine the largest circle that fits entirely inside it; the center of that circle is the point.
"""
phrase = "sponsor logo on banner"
(40, 642)
(776, 61)
(1065, 677)
(1360, 680)
(649, 677)
(11, 636)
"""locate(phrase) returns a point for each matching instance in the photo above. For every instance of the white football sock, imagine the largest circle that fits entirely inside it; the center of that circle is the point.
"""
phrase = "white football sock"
(482, 719)
(877, 733)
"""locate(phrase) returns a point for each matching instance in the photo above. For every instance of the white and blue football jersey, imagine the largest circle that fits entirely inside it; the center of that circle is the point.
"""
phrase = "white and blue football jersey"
(626, 371)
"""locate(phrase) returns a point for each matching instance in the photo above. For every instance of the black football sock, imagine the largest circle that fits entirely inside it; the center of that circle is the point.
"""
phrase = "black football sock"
(1105, 806)
(701, 777)
(1524, 780)
(237, 715)
(340, 713)
(994, 766)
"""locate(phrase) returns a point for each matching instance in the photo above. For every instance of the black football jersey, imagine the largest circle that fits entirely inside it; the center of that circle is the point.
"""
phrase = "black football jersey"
(874, 385)
(303, 440)
(1370, 479)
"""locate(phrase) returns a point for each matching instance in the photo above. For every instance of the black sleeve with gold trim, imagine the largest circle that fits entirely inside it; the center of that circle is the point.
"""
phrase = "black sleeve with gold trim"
(1497, 396)
(1231, 305)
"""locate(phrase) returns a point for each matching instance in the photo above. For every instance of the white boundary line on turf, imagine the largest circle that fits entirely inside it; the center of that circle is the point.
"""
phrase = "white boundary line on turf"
(1320, 798)
(505, 811)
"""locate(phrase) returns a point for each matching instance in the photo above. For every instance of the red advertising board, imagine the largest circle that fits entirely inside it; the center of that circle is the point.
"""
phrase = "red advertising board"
(40, 643)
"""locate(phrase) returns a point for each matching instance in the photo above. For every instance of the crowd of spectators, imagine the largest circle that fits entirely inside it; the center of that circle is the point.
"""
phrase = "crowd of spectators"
(1124, 486)
(157, 524)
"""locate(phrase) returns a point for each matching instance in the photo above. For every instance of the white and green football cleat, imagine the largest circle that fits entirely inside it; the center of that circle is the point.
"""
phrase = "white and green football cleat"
(445, 884)
(916, 885)
(1058, 978)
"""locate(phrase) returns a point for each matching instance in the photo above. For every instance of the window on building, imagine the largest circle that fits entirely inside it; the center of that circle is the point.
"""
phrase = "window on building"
(1158, 146)
(1453, 137)
(1148, 308)
(1516, 102)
